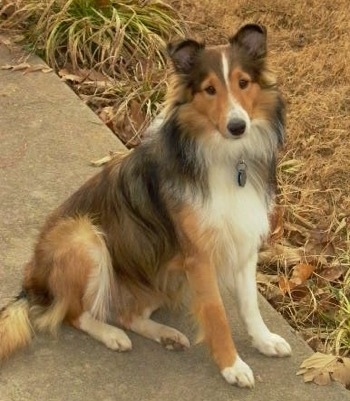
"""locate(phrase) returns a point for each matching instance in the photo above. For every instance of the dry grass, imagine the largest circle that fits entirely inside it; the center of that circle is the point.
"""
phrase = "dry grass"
(309, 50)
(112, 56)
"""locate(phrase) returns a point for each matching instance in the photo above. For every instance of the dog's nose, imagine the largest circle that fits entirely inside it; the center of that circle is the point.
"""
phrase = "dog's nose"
(236, 127)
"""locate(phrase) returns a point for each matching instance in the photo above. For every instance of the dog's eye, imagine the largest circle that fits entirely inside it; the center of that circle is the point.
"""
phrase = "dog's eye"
(210, 90)
(243, 83)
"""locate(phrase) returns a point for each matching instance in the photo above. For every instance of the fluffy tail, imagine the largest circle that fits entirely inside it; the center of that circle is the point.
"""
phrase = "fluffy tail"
(15, 328)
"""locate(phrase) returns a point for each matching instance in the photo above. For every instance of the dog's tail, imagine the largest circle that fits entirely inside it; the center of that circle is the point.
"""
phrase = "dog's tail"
(15, 327)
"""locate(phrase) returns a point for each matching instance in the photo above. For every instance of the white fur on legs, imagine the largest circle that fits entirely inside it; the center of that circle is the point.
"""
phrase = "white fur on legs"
(114, 338)
(239, 374)
(266, 342)
(272, 344)
(169, 337)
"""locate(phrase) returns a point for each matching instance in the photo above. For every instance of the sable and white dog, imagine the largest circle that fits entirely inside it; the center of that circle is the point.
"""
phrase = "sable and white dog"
(186, 210)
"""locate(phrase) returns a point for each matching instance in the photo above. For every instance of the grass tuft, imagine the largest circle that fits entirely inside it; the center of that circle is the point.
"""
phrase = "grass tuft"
(115, 48)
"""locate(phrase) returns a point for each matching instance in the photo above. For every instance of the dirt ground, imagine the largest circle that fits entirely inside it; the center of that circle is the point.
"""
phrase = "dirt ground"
(309, 43)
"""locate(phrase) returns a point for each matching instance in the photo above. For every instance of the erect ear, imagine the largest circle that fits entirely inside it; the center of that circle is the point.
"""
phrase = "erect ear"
(252, 38)
(184, 54)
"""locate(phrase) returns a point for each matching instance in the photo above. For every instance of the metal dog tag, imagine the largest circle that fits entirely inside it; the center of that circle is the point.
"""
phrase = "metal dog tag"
(242, 173)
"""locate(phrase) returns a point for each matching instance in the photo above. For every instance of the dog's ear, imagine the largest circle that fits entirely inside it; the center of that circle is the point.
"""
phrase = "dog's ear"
(252, 37)
(184, 54)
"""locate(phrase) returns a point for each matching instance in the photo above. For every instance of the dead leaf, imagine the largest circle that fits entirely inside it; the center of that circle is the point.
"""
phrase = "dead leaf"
(299, 292)
(26, 67)
(341, 372)
(137, 117)
(68, 76)
(20, 67)
(272, 293)
(127, 125)
(93, 75)
(107, 115)
(278, 253)
(301, 273)
(6, 67)
(322, 378)
(322, 368)
(38, 67)
(332, 273)
(262, 278)
(276, 224)
(320, 246)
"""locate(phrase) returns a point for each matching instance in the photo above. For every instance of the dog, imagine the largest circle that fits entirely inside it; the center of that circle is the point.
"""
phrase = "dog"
(178, 217)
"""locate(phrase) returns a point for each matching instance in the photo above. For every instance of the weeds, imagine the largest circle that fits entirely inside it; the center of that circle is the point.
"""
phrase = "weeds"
(119, 43)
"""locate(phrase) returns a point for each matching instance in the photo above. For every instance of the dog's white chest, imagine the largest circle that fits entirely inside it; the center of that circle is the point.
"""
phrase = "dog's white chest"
(238, 216)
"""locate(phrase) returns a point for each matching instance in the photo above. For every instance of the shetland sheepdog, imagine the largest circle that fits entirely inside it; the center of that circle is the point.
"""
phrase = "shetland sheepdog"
(177, 217)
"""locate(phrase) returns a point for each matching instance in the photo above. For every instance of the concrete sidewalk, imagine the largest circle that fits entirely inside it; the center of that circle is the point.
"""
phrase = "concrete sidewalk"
(47, 138)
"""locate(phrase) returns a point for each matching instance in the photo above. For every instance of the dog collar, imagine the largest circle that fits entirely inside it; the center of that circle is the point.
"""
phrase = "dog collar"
(241, 173)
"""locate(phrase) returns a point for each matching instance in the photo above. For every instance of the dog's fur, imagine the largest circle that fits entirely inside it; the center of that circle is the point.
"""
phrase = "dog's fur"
(173, 214)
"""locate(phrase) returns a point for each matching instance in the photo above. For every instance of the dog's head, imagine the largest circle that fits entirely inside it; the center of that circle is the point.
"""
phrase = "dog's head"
(224, 85)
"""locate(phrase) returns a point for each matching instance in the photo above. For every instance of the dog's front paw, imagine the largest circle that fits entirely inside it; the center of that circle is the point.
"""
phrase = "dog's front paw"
(272, 345)
(239, 373)
(172, 339)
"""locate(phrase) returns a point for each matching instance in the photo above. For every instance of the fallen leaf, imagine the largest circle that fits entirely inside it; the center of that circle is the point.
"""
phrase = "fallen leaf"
(299, 292)
(20, 67)
(26, 67)
(332, 273)
(322, 378)
(68, 76)
(6, 67)
(318, 360)
(93, 75)
(267, 279)
(276, 224)
(301, 273)
(341, 372)
(320, 245)
(136, 114)
(38, 67)
(283, 254)
(322, 368)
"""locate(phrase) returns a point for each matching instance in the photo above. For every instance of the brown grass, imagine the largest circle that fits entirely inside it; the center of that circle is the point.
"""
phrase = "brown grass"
(112, 56)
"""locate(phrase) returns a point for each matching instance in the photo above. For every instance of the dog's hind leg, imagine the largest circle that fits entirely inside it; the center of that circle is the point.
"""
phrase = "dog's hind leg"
(169, 337)
(79, 280)
(113, 338)
(97, 297)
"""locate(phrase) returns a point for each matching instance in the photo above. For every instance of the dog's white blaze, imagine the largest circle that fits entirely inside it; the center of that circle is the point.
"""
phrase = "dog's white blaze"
(235, 110)
(225, 69)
